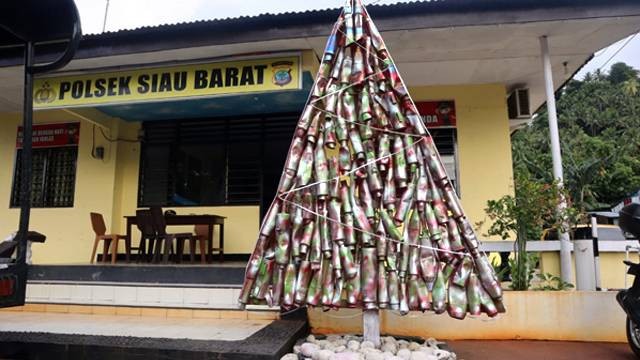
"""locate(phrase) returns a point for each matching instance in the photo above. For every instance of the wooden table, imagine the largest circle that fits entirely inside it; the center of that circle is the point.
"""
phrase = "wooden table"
(209, 220)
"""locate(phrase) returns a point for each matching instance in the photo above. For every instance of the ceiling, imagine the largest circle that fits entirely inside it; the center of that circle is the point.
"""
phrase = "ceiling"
(507, 54)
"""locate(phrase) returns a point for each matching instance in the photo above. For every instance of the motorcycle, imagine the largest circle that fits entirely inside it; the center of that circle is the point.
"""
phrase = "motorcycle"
(629, 299)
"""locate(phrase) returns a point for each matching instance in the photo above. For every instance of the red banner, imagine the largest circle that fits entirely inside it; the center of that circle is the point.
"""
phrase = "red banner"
(437, 114)
(7, 286)
(52, 135)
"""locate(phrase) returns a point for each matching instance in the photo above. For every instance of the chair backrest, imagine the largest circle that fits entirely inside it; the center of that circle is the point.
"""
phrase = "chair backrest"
(158, 220)
(202, 231)
(97, 223)
(144, 222)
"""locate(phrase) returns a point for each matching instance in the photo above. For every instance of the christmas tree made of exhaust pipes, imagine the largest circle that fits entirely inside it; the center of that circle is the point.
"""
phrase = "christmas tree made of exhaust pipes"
(365, 215)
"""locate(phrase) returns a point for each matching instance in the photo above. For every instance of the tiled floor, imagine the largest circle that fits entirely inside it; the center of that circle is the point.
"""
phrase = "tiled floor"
(133, 326)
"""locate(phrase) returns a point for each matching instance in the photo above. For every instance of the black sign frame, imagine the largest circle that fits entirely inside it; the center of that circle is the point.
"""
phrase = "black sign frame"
(16, 274)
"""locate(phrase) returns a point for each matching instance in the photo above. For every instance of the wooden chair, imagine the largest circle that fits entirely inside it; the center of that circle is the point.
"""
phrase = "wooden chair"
(165, 240)
(201, 235)
(148, 235)
(110, 240)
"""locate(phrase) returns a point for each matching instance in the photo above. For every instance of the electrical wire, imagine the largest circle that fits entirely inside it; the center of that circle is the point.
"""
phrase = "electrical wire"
(116, 139)
(93, 142)
(618, 51)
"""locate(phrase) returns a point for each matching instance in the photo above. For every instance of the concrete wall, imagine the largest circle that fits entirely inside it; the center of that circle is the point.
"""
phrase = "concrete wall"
(612, 270)
(531, 315)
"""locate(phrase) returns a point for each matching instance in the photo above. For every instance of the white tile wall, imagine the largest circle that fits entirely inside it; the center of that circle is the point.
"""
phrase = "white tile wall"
(221, 297)
(172, 296)
(37, 292)
(101, 294)
(124, 295)
(80, 293)
(177, 297)
(196, 297)
(148, 295)
(60, 293)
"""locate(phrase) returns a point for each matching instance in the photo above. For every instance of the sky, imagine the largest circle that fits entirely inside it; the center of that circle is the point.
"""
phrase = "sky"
(128, 14)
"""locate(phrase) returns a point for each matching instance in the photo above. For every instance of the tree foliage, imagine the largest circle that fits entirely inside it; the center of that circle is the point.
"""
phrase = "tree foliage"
(599, 123)
(532, 209)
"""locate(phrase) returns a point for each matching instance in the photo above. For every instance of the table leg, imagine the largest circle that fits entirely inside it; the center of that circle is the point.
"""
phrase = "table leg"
(105, 250)
(168, 243)
(129, 224)
(210, 243)
(221, 242)
(127, 246)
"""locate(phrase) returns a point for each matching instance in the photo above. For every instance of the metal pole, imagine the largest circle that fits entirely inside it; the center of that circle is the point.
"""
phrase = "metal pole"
(106, 12)
(371, 326)
(25, 175)
(596, 250)
(566, 272)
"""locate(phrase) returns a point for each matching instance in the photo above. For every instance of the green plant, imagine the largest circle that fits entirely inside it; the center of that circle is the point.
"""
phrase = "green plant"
(500, 269)
(522, 271)
(550, 282)
(525, 215)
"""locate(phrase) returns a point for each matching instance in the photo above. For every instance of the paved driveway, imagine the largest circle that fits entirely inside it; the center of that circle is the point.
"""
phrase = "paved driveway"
(539, 350)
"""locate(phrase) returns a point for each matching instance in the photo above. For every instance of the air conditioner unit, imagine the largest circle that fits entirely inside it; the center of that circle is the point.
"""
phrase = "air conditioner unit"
(518, 104)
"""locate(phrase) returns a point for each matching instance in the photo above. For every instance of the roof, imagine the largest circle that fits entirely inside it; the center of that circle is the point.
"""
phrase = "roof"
(422, 7)
(448, 42)
(433, 14)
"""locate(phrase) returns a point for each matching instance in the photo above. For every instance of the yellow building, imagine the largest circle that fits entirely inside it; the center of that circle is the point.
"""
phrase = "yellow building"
(198, 117)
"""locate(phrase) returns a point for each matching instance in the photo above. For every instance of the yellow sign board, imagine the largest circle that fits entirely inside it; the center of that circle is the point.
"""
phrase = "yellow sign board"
(169, 83)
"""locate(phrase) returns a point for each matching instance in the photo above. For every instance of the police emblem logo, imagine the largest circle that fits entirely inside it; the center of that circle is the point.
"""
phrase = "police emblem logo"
(45, 94)
(281, 72)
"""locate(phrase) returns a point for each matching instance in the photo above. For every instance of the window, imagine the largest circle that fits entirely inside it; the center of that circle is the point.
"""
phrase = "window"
(440, 118)
(446, 143)
(235, 161)
(212, 162)
(53, 177)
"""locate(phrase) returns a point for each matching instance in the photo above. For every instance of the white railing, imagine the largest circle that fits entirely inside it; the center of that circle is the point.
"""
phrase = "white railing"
(587, 266)
(616, 246)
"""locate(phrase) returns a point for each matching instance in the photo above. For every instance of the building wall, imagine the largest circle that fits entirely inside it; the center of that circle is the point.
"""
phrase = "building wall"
(484, 143)
(110, 186)
(68, 230)
(241, 223)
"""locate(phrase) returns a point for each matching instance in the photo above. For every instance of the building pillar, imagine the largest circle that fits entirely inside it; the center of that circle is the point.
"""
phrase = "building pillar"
(566, 272)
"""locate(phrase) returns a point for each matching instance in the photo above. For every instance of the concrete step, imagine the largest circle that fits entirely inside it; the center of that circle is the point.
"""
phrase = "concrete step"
(28, 334)
(124, 294)
(209, 275)
(214, 286)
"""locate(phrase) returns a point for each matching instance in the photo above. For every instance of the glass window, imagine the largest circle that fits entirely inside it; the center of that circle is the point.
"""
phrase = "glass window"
(199, 174)
(446, 143)
(213, 162)
(53, 177)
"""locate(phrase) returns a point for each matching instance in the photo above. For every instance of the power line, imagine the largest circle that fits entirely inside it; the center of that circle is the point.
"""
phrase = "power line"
(618, 51)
